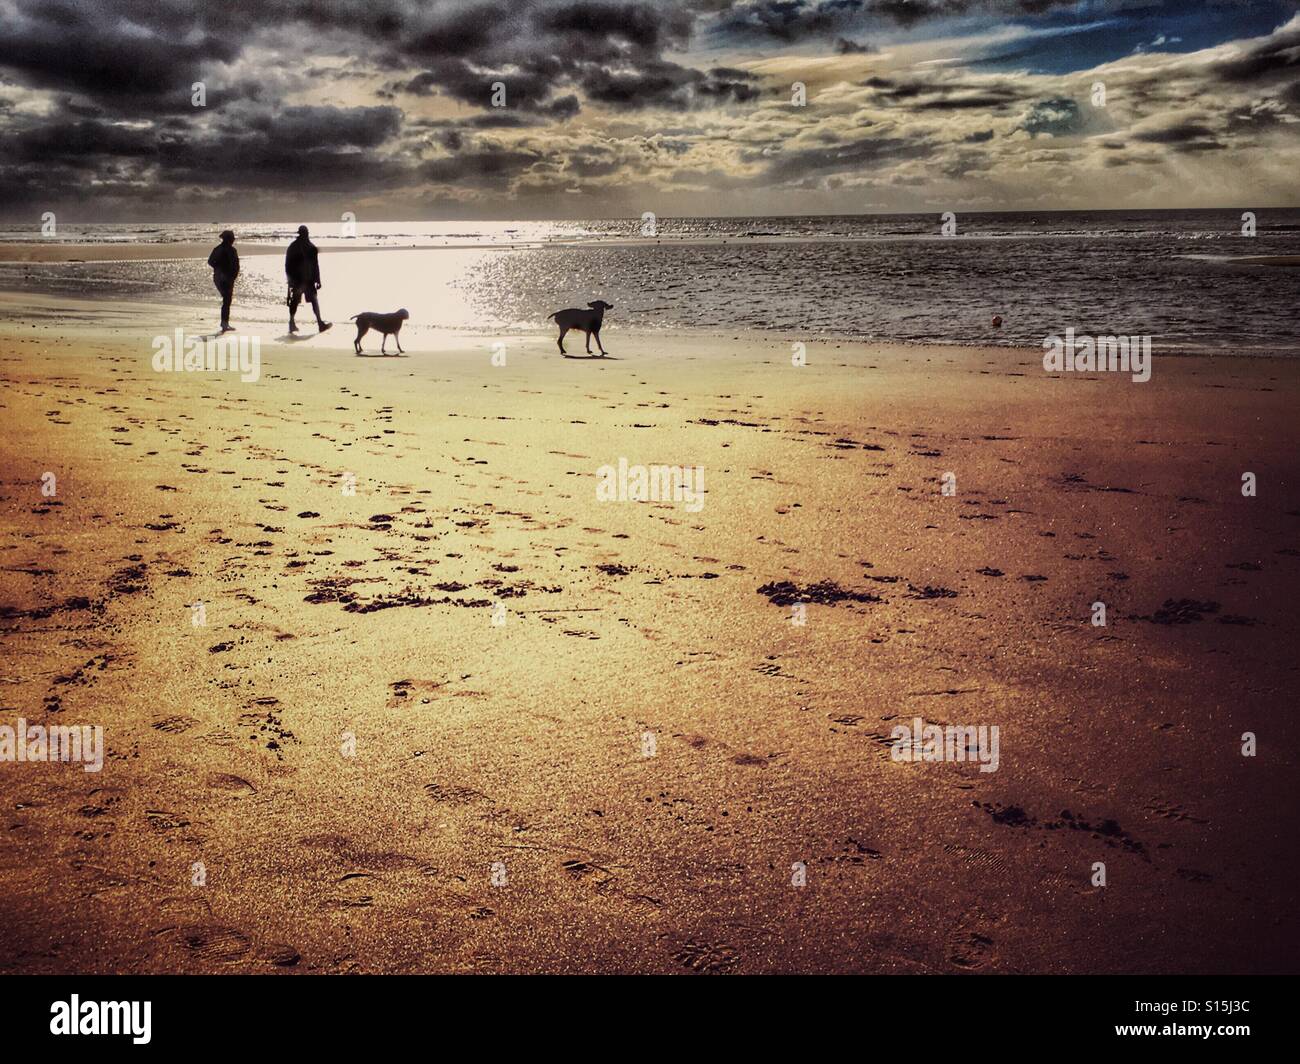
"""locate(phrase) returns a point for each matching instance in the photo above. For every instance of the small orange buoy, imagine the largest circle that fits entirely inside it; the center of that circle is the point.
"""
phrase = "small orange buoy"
(997, 321)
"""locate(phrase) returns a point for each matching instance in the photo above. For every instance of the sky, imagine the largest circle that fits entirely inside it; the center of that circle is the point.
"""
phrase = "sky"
(448, 109)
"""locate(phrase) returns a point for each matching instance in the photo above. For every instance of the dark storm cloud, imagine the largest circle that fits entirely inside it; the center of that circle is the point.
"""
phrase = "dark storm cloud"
(317, 149)
(491, 120)
(612, 52)
(143, 57)
(100, 53)
(80, 142)
(843, 158)
(789, 20)
(666, 85)
(955, 95)
(1185, 136)
(1193, 146)
(1178, 134)
(464, 31)
(315, 127)
(258, 165)
(796, 20)
(528, 88)
(487, 166)
(910, 12)
(989, 101)
(641, 25)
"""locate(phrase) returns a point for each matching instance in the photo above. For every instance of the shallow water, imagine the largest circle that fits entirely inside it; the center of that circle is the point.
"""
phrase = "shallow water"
(1168, 274)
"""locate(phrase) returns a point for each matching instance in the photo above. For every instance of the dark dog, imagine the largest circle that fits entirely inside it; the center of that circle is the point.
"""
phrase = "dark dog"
(586, 320)
(388, 324)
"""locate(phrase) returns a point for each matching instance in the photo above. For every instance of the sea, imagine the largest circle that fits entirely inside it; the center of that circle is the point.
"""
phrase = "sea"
(1224, 281)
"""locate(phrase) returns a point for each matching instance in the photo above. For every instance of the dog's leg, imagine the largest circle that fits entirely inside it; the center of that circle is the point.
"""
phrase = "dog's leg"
(397, 339)
(361, 331)
(383, 345)
(588, 332)
(560, 341)
(599, 344)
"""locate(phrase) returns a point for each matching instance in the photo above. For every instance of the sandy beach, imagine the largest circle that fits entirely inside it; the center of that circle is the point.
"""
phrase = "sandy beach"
(470, 718)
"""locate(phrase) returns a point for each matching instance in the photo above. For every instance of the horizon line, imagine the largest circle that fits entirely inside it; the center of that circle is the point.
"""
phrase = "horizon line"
(660, 216)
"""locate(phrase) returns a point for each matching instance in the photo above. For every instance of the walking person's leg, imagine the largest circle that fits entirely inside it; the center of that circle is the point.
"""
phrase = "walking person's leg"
(313, 299)
(221, 291)
(227, 293)
(295, 297)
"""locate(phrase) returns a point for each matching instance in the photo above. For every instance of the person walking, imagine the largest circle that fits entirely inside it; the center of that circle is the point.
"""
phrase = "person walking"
(224, 261)
(302, 269)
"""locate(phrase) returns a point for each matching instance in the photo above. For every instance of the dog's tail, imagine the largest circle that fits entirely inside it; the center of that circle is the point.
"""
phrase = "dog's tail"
(354, 317)
(550, 316)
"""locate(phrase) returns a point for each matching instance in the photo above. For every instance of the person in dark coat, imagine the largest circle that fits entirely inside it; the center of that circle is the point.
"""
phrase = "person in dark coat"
(302, 269)
(224, 261)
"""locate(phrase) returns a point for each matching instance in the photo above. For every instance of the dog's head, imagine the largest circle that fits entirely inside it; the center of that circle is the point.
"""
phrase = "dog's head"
(600, 304)
(403, 314)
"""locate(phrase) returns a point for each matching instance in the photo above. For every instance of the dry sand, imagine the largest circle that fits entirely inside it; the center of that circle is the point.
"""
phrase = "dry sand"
(522, 744)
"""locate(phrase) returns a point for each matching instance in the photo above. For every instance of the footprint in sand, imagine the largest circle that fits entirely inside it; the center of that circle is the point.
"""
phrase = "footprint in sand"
(981, 860)
(453, 795)
(162, 820)
(236, 786)
(969, 945)
(280, 954)
(707, 957)
(211, 943)
(174, 725)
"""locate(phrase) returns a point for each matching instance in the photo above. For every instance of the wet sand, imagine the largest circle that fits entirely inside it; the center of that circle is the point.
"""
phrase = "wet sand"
(353, 751)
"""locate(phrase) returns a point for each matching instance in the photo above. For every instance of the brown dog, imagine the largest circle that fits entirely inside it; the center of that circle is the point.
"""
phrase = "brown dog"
(588, 321)
(388, 324)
